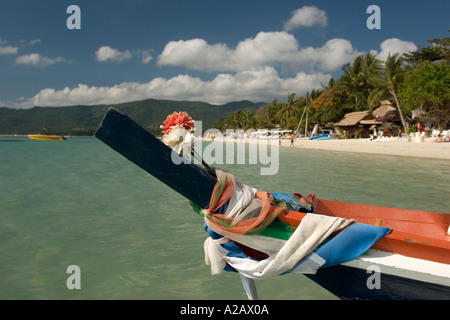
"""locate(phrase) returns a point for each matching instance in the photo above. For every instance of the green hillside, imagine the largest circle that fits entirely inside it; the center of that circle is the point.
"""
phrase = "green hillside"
(83, 120)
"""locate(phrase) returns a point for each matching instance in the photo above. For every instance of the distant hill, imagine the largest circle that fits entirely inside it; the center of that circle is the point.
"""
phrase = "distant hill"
(84, 120)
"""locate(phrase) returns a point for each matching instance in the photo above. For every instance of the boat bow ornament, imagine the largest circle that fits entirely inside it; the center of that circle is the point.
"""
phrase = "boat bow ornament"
(243, 239)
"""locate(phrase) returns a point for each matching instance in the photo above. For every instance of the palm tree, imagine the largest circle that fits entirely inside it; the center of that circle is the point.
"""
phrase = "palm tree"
(351, 80)
(393, 76)
(248, 119)
(359, 77)
(331, 84)
(286, 109)
(372, 66)
(269, 114)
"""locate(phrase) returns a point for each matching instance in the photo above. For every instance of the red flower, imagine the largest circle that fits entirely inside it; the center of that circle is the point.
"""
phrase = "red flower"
(177, 118)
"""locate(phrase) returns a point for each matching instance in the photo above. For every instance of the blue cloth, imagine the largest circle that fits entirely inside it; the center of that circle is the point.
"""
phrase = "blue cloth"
(233, 250)
(350, 243)
(293, 203)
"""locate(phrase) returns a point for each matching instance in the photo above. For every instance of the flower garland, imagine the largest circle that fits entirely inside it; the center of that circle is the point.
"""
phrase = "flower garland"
(178, 135)
(178, 132)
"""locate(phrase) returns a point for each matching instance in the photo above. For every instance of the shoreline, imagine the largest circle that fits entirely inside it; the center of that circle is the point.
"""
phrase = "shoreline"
(427, 149)
(393, 147)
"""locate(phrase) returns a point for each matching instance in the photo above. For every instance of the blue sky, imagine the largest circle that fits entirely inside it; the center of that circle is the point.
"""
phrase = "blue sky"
(215, 51)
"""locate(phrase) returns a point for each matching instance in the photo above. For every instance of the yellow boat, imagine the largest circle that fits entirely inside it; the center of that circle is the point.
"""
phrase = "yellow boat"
(45, 137)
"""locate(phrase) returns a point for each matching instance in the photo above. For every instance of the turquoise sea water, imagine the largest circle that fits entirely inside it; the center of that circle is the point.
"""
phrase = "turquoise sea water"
(77, 202)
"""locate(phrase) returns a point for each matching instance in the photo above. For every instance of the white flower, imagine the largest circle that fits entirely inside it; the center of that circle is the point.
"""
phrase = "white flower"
(180, 140)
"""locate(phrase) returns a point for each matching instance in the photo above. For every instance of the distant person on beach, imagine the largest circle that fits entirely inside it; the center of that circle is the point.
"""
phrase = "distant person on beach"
(292, 139)
(399, 134)
(438, 139)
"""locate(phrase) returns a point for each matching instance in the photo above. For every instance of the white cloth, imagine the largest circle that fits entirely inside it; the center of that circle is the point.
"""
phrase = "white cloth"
(283, 255)
(215, 254)
(243, 196)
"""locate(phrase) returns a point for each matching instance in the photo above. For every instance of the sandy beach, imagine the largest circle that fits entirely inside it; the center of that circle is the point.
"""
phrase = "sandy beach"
(394, 147)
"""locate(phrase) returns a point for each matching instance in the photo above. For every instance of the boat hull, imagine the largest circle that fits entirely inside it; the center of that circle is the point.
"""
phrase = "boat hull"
(410, 263)
(417, 234)
(44, 137)
(322, 137)
(348, 282)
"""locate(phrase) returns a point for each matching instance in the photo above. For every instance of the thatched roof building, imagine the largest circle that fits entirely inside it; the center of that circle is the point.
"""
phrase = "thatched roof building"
(386, 112)
(383, 109)
(362, 123)
(354, 118)
(357, 124)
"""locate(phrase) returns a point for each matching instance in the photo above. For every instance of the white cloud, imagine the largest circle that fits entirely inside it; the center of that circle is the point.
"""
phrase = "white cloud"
(106, 53)
(248, 71)
(26, 43)
(251, 70)
(266, 48)
(145, 56)
(196, 54)
(36, 60)
(34, 41)
(6, 49)
(261, 84)
(306, 16)
(333, 55)
(395, 45)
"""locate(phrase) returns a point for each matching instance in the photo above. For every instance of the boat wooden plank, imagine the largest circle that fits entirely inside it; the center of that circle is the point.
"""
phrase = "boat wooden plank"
(415, 246)
(142, 148)
(412, 244)
(430, 224)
